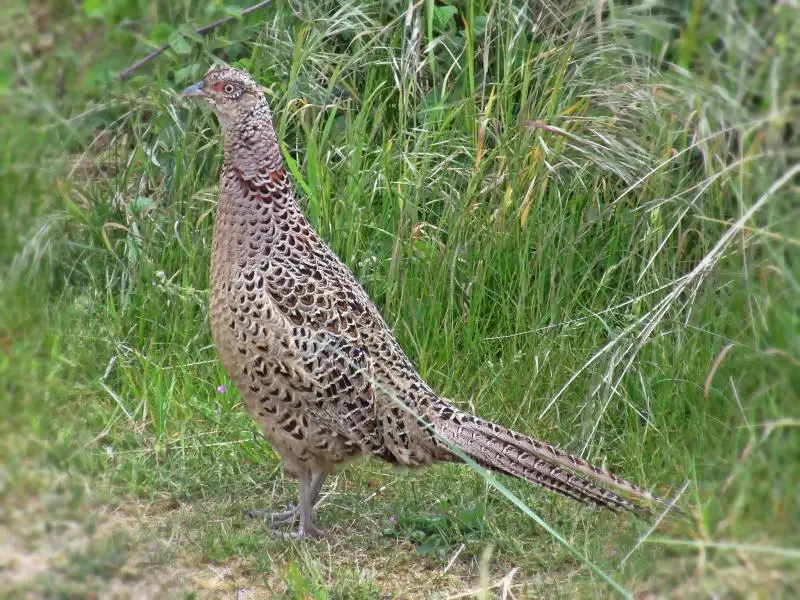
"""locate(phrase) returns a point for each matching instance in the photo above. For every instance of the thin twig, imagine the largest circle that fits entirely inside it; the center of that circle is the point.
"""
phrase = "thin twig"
(123, 75)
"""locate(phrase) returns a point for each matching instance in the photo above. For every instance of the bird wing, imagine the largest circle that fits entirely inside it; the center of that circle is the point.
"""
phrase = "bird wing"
(321, 336)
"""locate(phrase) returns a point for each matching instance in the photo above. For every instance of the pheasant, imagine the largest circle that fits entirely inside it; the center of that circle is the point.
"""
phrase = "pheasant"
(316, 364)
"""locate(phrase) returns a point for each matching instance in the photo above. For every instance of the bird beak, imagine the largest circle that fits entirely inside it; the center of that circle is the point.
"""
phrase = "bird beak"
(194, 90)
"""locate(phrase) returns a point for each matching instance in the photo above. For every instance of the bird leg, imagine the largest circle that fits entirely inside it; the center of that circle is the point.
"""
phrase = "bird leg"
(313, 485)
(310, 485)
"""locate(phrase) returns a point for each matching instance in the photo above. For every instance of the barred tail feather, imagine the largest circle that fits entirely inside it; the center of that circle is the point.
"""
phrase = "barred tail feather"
(555, 455)
(608, 500)
(506, 451)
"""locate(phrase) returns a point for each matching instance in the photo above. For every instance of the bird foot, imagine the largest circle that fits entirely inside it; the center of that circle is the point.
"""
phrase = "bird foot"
(274, 516)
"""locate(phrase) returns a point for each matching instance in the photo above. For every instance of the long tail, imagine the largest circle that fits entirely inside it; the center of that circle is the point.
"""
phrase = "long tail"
(500, 449)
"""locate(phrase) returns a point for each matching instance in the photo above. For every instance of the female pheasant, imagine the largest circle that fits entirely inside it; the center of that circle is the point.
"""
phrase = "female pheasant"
(316, 364)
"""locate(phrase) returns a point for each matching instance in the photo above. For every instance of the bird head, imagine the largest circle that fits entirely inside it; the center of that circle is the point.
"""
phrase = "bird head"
(232, 94)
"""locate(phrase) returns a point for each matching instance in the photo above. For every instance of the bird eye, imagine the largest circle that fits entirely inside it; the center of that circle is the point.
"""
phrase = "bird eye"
(228, 89)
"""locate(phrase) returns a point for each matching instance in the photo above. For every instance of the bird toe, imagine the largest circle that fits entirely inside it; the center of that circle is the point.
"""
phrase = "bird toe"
(274, 516)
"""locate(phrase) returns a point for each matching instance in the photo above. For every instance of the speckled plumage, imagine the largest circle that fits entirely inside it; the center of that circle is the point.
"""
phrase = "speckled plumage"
(316, 364)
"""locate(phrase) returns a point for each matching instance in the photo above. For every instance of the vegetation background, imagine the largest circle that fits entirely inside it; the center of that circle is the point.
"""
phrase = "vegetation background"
(581, 218)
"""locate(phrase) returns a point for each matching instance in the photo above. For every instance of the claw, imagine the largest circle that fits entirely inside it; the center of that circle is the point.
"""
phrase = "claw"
(276, 516)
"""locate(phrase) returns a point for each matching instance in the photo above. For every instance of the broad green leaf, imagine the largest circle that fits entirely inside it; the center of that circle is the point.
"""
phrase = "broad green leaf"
(444, 16)
(190, 33)
(179, 43)
(184, 74)
(232, 10)
(161, 33)
(479, 25)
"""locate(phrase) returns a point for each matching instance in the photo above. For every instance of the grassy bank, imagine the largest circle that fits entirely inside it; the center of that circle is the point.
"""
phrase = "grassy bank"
(580, 220)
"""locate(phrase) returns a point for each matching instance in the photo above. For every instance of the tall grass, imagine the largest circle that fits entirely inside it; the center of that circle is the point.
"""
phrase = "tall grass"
(578, 217)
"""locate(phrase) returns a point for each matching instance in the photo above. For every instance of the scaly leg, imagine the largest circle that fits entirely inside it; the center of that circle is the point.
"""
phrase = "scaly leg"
(291, 511)
(309, 488)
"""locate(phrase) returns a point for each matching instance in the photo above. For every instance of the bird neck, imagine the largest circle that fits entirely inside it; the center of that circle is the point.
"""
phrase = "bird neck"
(250, 143)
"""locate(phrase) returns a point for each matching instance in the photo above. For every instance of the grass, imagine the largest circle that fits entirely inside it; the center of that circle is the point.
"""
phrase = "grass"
(580, 218)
